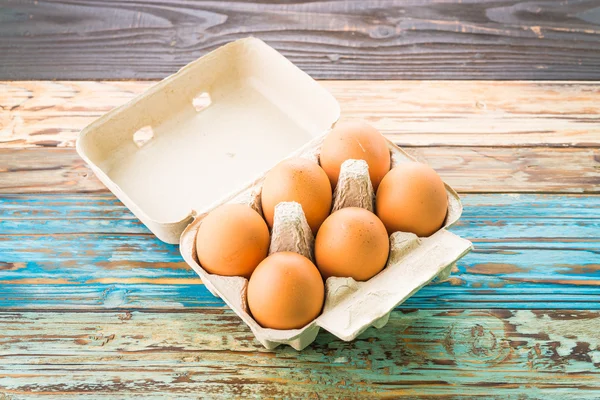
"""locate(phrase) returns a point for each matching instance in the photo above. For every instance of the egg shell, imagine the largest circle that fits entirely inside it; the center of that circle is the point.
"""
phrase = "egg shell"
(285, 291)
(412, 198)
(352, 242)
(300, 180)
(358, 141)
(232, 240)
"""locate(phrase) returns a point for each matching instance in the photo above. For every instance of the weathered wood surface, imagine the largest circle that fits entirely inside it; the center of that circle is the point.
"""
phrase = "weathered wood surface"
(493, 39)
(466, 169)
(411, 113)
(75, 251)
(211, 353)
(92, 305)
(451, 125)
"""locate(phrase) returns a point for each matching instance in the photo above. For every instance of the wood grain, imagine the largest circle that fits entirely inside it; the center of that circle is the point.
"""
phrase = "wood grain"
(466, 169)
(94, 306)
(411, 113)
(210, 353)
(491, 39)
(89, 251)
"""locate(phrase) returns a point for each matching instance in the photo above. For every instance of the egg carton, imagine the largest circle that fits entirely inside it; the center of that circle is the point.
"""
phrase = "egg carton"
(206, 136)
(350, 306)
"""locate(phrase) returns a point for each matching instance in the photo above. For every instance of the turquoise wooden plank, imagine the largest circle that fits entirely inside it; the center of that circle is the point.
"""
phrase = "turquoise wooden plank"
(539, 205)
(489, 353)
(152, 296)
(523, 279)
(62, 226)
(45, 206)
(510, 216)
(498, 228)
(90, 247)
(91, 258)
(42, 253)
(478, 228)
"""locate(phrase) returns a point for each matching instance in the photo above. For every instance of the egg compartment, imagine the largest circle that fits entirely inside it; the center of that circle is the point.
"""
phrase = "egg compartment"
(354, 187)
(350, 307)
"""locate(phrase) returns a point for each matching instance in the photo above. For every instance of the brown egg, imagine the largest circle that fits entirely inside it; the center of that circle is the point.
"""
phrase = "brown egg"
(352, 242)
(300, 180)
(357, 141)
(285, 291)
(412, 198)
(232, 240)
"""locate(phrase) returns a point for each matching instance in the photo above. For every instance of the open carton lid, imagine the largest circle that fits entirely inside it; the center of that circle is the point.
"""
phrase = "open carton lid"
(187, 143)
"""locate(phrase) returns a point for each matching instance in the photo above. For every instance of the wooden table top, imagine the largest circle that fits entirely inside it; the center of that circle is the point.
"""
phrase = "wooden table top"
(341, 39)
(92, 305)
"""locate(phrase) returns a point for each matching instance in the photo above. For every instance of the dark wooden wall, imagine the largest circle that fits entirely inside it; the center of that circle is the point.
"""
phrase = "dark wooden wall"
(472, 39)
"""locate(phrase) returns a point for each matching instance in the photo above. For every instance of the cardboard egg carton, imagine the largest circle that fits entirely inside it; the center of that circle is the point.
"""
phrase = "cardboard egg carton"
(216, 127)
(350, 306)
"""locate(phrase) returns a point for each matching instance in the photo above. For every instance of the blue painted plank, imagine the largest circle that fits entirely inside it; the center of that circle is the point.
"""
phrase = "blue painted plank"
(72, 226)
(79, 206)
(211, 353)
(531, 251)
(45, 206)
(469, 226)
(146, 296)
(89, 247)
(522, 279)
(529, 205)
(91, 257)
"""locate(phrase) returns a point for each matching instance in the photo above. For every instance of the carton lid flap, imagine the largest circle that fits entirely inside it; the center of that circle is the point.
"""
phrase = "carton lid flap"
(206, 132)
